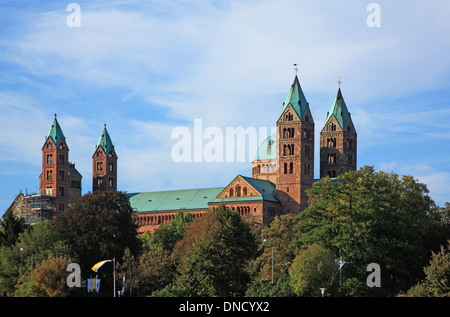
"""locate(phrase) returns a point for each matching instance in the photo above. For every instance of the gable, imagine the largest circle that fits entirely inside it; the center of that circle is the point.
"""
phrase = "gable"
(289, 115)
(332, 125)
(251, 189)
(237, 188)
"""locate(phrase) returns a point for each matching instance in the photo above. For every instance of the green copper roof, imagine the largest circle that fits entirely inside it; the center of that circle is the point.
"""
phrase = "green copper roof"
(196, 199)
(296, 98)
(55, 132)
(339, 110)
(268, 149)
(105, 141)
(189, 199)
(266, 188)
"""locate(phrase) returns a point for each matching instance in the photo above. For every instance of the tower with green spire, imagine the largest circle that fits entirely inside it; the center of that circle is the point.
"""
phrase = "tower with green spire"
(295, 151)
(338, 140)
(104, 164)
(54, 179)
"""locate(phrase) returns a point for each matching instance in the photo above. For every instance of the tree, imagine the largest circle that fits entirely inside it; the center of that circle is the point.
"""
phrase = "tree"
(215, 253)
(128, 271)
(98, 227)
(156, 270)
(11, 227)
(372, 217)
(167, 235)
(313, 268)
(438, 273)
(50, 275)
(437, 276)
(280, 236)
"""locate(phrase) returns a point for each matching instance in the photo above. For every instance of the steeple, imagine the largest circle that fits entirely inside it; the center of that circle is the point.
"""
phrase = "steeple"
(105, 141)
(339, 110)
(104, 164)
(338, 140)
(297, 99)
(55, 132)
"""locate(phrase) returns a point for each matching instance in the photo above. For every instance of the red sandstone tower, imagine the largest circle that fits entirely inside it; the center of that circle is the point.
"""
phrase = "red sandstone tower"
(295, 142)
(104, 165)
(54, 180)
(338, 140)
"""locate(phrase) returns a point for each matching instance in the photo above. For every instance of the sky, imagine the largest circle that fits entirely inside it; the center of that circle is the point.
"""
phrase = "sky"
(146, 68)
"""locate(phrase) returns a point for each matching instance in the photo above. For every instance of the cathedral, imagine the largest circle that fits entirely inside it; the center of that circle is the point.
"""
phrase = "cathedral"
(282, 171)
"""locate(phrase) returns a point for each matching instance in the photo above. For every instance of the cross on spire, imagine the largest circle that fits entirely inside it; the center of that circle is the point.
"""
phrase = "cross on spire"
(339, 82)
(296, 69)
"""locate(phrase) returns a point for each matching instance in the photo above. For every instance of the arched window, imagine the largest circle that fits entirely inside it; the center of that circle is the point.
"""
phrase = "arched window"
(238, 191)
(244, 191)
(291, 168)
(231, 192)
(285, 168)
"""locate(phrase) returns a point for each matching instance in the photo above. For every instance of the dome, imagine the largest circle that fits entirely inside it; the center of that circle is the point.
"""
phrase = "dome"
(268, 149)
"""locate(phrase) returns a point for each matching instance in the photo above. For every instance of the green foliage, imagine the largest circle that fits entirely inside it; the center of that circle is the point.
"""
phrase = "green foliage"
(372, 217)
(169, 234)
(280, 236)
(98, 226)
(215, 254)
(438, 273)
(312, 269)
(10, 228)
(170, 291)
(156, 270)
(40, 242)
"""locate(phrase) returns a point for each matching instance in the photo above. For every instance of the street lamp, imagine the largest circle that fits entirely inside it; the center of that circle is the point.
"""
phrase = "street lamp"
(322, 290)
(24, 250)
(266, 241)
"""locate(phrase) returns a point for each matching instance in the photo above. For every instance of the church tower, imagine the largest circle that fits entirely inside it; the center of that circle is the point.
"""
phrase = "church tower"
(54, 180)
(338, 140)
(295, 146)
(104, 164)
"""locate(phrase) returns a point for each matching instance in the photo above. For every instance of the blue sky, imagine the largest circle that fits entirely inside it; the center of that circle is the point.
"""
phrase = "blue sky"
(147, 67)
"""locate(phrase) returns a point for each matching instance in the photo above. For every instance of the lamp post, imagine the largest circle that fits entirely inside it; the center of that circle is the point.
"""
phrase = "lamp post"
(266, 241)
(322, 290)
(24, 250)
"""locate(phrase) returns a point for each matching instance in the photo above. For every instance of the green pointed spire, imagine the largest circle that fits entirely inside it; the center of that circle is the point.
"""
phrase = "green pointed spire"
(296, 98)
(339, 110)
(105, 141)
(55, 132)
